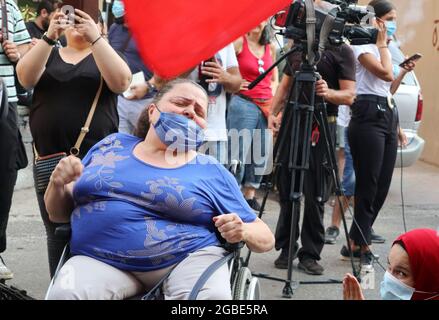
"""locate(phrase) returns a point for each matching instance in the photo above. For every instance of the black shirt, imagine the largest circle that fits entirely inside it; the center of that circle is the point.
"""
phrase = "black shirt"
(336, 64)
(61, 103)
(36, 32)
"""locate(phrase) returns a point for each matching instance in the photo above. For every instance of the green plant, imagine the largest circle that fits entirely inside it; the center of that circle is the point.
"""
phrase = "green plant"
(28, 13)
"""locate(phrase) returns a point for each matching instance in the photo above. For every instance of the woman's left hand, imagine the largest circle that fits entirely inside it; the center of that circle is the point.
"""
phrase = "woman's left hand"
(408, 67)
(403, 141)
(231, 227)
(244, 85)
(86, 26)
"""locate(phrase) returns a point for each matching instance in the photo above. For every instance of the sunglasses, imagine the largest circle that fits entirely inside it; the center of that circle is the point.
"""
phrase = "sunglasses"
(261, 66)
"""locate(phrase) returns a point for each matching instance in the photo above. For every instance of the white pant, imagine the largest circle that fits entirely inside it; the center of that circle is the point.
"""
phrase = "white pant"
(85, 278)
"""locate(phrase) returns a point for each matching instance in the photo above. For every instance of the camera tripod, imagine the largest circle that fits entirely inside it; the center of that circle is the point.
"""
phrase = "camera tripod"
(297, 129)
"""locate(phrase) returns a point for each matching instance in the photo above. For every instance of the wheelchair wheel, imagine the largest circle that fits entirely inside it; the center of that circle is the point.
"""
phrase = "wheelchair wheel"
(246, 287)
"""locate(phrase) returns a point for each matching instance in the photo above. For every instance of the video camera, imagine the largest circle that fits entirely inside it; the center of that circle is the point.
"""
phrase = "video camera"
(347, 21)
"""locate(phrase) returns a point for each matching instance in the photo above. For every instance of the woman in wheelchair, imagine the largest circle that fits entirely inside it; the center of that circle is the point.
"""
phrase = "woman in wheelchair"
(142, 206)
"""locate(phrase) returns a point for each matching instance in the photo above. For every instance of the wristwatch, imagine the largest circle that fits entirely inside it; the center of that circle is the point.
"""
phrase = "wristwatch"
(49, 41)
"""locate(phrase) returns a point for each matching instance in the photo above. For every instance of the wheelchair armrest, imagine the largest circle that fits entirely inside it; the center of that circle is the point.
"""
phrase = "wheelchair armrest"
(64, 232)
(230, 247)
(234, 167)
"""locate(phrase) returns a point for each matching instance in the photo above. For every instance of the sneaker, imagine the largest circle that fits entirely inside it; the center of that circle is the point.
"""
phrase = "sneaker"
(376, 238)
(254, 204)
(331, 235)
(311, 266)
(282, 261)
(357, 254)
(345, 254)
(5, 273)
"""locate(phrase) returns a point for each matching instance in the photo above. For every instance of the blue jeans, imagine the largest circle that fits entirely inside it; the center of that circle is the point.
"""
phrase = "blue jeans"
(348, 182)
(249, 141)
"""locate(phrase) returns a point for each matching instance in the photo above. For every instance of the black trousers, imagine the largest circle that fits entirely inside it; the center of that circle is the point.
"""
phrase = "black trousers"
(316, 190)
(55, 245)
(374, 142)
(8, 168)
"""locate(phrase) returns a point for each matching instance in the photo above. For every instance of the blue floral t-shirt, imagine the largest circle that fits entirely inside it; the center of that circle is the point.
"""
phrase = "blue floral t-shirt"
(138, 217)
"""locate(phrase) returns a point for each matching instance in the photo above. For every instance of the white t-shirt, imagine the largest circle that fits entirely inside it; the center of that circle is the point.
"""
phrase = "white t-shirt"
(344, 116)
(367, 82)
(216, 113)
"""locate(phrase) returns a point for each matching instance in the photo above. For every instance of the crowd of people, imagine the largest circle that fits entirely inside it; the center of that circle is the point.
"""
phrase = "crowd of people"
(139, 169)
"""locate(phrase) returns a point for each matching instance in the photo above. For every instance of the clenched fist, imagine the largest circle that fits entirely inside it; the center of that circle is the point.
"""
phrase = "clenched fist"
(231, 227)
(68, 169)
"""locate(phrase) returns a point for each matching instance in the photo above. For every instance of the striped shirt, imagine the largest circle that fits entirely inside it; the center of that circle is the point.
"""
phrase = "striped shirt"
(18, 34)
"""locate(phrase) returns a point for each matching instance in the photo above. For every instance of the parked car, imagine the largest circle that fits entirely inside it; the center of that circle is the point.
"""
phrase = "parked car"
(410, 105)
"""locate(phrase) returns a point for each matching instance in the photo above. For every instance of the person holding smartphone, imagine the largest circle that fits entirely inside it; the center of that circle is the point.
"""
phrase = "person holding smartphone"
(374, 131)
(65, 82)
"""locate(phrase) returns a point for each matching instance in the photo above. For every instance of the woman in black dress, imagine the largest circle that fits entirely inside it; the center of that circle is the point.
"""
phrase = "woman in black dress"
(65, 82)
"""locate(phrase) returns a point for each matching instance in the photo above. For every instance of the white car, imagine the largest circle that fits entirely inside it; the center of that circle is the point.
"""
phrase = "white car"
(409, 101)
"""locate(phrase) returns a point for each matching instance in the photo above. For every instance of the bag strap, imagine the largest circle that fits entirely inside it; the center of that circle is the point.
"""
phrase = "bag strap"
(5, 31)
(86, 128)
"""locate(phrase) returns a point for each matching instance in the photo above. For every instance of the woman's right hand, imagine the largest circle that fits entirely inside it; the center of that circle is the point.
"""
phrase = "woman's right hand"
(274, 123)
(352, 288)
(68, 170)
(244, 85)
(382, 38)
(57, 25)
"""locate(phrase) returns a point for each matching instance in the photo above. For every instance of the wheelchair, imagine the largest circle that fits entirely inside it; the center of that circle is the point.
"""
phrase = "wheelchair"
(244, 285)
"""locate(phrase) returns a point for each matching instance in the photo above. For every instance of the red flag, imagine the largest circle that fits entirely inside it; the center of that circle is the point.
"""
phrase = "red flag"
(175, 35)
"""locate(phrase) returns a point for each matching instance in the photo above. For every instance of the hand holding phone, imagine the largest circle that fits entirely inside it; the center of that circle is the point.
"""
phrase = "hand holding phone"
(413, 58)
(211, 59)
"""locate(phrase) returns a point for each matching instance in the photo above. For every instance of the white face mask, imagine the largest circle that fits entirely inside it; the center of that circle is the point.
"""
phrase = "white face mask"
(394, 289)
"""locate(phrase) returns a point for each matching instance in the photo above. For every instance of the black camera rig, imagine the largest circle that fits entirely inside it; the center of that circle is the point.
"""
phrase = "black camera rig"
(344, 20)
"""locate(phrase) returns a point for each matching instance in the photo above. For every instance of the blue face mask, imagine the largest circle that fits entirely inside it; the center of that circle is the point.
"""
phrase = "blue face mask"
(177, 130)
(118, 9)
(394, 289)
(391, 28)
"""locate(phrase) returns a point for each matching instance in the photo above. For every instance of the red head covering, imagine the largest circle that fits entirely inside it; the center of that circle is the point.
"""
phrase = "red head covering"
(422, 246)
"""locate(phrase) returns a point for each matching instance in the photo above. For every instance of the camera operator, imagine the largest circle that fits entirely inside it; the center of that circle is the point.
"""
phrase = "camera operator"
(337, 87)
(373, 130)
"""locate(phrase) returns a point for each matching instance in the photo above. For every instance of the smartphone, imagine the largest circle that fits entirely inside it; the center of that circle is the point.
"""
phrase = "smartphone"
(69, 11)
(212, 59)
(414, 57)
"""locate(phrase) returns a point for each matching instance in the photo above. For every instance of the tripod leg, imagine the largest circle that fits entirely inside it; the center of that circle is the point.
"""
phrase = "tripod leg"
(330, 153)
(298, 164)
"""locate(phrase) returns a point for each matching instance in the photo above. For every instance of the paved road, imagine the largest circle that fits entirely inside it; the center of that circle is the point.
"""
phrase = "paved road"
(27, 257)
